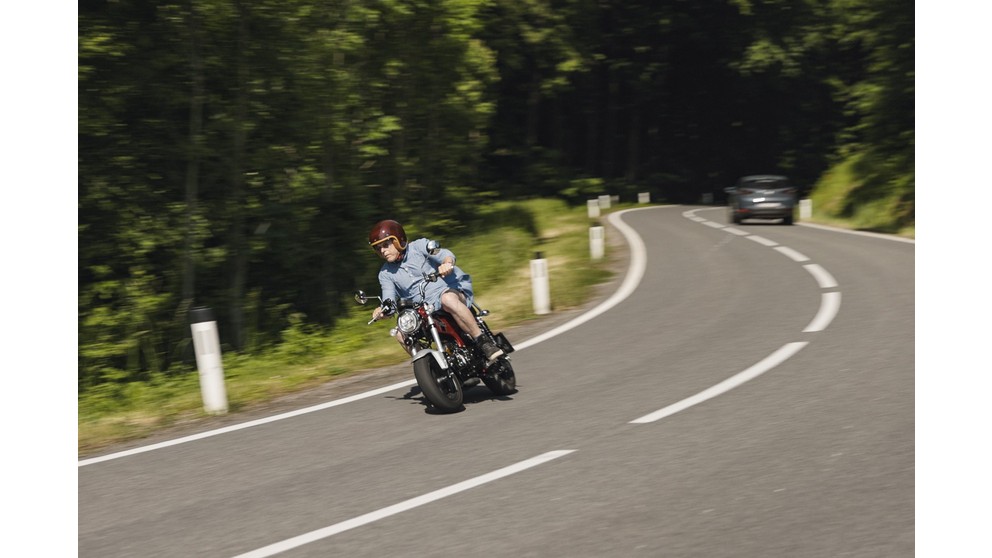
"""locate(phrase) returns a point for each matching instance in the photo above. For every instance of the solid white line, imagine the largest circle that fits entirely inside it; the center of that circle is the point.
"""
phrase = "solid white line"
(829, 305)
(860, 233)
(796, 256)
(763, 240)
(410, 504)
(769, 362)
(736, 231)
(635, 272)
(822, 276)
(244, 425)
(713, 224)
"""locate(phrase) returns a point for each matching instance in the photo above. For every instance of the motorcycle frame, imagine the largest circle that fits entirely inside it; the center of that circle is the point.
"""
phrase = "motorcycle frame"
(438, 324)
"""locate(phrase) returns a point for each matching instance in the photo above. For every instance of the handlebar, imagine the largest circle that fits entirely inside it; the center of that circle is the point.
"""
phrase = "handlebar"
(389, 306)
(388, 309)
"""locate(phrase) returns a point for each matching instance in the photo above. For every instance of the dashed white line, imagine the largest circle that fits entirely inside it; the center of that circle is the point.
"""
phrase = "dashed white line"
(796, 256)
(829, 305)
(825, 280)
(407, 505)
(771, 361)
(762, 240)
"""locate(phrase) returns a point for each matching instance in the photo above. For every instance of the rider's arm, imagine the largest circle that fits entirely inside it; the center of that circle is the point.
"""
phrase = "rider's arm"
(388, 290)
(444, 256)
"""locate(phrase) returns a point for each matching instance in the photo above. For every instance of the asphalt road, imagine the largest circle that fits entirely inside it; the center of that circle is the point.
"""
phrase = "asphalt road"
(749, 391)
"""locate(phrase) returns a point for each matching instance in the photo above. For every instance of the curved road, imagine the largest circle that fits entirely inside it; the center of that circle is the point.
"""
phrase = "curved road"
(748, 391)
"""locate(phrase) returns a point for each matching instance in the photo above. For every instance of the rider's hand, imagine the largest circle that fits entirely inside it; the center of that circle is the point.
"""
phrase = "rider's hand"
(377, 313)
(445, 268)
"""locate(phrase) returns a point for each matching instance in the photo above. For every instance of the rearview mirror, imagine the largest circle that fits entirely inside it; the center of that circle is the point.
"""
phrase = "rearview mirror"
(433, 247)
(360, 297)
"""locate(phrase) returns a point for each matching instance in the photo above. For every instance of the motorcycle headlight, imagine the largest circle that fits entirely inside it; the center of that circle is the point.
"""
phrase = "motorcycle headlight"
(408, 321)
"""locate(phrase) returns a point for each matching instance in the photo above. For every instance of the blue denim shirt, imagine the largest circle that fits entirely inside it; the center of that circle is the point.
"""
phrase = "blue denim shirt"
(400, 280)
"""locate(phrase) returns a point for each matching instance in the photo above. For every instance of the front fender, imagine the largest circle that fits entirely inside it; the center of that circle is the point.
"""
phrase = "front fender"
(441, 361)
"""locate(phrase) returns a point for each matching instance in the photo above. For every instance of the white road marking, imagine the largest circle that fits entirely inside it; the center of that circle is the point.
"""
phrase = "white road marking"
(244, 425)
(771, 361)
(762, 240)
(796, 256)
(829, 306)
(861, 233)
(821, 275)
(635, 272)
(410, 504)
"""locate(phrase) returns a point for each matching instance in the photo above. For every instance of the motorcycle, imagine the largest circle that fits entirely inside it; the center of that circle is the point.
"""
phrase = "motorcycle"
(445, 359)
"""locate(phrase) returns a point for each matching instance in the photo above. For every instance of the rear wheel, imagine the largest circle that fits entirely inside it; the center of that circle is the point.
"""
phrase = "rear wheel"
(788, 219)
(442, 389)
(501, 379)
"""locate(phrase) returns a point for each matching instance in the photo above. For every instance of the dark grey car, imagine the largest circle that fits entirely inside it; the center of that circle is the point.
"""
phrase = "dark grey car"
(762, 196)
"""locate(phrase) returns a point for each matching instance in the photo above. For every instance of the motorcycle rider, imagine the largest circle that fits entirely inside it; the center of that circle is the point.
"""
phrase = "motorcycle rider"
(403, 272)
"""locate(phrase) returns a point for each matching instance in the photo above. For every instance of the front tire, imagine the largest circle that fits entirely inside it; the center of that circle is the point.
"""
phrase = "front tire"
(501, 380)
(442, 390)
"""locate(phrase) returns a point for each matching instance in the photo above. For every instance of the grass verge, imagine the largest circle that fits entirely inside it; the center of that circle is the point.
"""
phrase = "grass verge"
(498, 260)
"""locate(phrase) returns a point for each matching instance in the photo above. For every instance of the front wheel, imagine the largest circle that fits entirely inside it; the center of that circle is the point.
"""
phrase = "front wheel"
(442, 389)
(500, 379)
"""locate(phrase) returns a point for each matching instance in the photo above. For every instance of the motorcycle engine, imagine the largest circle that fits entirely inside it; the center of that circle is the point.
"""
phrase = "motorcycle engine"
(461, 357)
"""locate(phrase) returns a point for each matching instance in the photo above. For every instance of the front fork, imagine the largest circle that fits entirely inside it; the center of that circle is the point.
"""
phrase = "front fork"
(438, 353)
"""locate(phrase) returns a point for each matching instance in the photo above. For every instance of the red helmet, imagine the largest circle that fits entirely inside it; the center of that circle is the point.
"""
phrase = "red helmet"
(385, 230)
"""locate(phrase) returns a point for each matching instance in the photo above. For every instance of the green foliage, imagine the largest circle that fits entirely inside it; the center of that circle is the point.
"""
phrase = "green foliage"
(232, 155)
(863, 193)
(495, 249)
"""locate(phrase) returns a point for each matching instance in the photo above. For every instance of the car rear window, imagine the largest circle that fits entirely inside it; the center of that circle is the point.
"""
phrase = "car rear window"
(766, 183)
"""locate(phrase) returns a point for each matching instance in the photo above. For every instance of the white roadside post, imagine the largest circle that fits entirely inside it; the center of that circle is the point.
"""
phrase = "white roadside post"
(539, 284)
(592, 207)
(604, 201)
(206, 343)
(805, 208)
(644, 197)
(597, 237)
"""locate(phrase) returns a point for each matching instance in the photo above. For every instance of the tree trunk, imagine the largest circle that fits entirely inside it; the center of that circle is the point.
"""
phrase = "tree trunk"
(193, 159)
(633, 140)
(239, 245)
(612, 95)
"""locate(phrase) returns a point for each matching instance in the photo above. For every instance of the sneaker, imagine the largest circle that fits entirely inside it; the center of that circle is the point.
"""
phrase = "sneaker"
(491, 351)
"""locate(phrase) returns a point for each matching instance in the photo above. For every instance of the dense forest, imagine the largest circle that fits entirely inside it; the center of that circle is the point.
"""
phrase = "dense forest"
(233, 153)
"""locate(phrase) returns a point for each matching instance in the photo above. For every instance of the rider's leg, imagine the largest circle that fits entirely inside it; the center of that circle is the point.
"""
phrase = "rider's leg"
(402, 341)
(453, 302)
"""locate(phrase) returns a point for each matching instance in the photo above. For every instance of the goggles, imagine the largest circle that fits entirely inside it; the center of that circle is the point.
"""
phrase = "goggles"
(378, 243)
